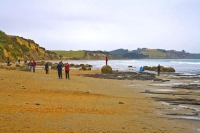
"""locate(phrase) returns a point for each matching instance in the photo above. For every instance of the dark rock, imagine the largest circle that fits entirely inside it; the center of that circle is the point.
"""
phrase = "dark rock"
(124, 76)
(188, 86)
(147, 91)
(121, 103)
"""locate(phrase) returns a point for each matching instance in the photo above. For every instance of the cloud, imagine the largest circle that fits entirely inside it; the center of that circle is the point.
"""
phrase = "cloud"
(103, 24)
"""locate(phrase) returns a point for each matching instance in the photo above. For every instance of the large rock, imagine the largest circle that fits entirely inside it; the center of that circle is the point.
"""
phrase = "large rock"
(106, 69)
(169, 69)
(162, 69)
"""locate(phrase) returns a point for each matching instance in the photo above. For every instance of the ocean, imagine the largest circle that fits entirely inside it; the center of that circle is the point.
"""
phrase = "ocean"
(185, 66)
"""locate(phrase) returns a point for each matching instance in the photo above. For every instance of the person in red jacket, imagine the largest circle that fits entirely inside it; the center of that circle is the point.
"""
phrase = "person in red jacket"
(33, 65)
(67, 70)
(106, 60)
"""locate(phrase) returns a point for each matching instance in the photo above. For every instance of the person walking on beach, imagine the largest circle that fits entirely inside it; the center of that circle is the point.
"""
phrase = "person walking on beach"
(8, 61)
(46, 68)
(30, 65)
(59, 68)
(67, 70)
(158, 68)
(106, 60)
(33, 65)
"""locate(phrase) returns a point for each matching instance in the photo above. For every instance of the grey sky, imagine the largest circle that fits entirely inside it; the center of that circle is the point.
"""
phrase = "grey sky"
(104, 24)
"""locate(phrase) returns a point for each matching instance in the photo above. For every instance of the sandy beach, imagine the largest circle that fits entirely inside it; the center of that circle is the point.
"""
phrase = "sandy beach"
(39, 102)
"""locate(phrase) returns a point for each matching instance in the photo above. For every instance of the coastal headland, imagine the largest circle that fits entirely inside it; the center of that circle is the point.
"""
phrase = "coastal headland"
(39, 102)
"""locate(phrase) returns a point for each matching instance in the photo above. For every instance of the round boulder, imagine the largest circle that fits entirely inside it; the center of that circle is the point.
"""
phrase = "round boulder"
(106, 69)
(169, 69)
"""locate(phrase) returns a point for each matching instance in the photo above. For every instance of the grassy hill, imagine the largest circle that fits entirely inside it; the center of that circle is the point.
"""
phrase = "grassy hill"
(70, 54)
(154, 53)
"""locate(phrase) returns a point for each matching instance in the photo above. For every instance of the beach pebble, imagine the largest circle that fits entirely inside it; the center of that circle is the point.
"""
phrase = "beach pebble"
(147, 91)
(121, 103)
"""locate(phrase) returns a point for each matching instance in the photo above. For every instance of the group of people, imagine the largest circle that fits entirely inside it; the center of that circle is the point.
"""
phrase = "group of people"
(32, 65)
(60, 67)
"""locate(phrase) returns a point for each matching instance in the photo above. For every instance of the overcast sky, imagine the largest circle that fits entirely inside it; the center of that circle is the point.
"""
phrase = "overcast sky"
(104, 24)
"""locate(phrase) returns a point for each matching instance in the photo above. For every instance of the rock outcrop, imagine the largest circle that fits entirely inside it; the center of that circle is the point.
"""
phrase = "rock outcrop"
(162, 68)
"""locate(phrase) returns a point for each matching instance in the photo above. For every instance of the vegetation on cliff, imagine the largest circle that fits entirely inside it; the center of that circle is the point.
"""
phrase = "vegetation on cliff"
(15, 47)
(140, 53)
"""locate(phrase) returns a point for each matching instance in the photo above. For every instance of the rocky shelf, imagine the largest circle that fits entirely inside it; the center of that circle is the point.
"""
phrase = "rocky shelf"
(125, 76)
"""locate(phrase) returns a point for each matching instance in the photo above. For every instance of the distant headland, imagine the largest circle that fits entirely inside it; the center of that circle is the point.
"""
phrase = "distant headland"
(15, 47)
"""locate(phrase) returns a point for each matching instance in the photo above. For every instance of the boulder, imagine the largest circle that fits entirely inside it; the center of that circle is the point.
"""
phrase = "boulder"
(169, 69)
(147, 68)
(71, 65)
(24, 68)
(17, 65)
(84, 68)
(106, 69)
(54, 66)
(154, 68)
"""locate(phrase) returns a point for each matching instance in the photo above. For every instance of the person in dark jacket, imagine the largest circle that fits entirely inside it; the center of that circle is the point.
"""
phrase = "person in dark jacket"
(59, 68)
(67, 70)
(46, 67)
(158, 68)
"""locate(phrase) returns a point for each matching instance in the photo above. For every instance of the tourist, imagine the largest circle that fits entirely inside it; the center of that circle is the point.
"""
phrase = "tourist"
(158, 68)
(25, 61)
(59, 68)
(141, 69)
(33, 65)
(46, 68)
(67, 70)
(106, 60)
(30, 65)
(8, 61)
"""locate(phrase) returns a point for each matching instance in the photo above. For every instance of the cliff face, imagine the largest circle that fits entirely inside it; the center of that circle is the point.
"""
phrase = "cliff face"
(95, 55)
(16, 47)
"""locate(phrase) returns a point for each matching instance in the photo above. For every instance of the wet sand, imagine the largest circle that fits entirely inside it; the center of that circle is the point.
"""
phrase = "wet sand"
(39, 102)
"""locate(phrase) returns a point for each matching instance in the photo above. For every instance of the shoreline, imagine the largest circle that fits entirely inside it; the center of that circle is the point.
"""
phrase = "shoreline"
(41, 102)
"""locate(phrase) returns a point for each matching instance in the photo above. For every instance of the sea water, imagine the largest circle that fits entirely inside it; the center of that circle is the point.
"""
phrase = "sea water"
(185, 66)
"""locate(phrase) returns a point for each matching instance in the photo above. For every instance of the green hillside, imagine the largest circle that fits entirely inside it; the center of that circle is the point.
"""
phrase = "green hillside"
(154, 53)
(70, 54)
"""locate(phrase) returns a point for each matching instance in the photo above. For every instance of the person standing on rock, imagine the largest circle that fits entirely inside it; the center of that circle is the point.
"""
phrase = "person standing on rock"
(106, 60)
(46, 67)
(67, 70)
(33, 65)
(59, 68)
(158, 68)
